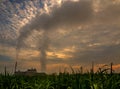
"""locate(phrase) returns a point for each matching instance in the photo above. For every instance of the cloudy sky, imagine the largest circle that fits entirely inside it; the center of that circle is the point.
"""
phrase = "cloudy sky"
(51, 35)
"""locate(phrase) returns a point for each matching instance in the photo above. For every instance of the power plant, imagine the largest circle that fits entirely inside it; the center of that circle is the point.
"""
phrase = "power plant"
(28, 72)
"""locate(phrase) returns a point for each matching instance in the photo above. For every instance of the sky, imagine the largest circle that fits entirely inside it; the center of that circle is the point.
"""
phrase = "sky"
(52, 35)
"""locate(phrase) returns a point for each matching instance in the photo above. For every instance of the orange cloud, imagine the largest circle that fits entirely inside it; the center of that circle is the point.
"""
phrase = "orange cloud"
(28, 54)
(59, 55)
(69, 50)
(116, 66)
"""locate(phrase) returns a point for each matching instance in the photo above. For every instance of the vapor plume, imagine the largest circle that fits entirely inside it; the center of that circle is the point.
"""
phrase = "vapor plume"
(43, 48)
(70, 14)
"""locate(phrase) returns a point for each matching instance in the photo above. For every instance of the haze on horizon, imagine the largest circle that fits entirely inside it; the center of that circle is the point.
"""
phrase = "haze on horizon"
(59, 33)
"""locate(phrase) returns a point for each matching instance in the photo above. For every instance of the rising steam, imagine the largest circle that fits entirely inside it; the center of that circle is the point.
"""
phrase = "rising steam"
(69, 14)
(43, 47)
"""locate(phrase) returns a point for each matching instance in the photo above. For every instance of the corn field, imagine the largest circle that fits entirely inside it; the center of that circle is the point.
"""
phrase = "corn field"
(99, 80)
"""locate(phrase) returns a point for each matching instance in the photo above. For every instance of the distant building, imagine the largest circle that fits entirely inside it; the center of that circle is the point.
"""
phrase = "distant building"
(29, 72)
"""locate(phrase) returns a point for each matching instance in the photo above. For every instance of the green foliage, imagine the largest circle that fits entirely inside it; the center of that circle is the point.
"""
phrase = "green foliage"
(64, 80)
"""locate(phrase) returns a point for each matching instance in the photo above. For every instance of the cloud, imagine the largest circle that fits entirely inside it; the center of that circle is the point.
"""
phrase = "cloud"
(14, 15)
(5, 58)
(102, 54)
(117, 66)
(71, 30)
(99, 43)
(69, 14)
(109, 12)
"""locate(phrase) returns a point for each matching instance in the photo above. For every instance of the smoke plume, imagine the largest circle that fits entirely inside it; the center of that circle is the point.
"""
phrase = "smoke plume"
(69, 14)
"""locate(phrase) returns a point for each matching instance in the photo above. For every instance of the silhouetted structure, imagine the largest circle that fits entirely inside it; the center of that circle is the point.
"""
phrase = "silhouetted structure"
(81, 70)
(111, 68)
(92, 69)
(15, 67)
(5, 71)
(29, 72)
